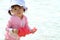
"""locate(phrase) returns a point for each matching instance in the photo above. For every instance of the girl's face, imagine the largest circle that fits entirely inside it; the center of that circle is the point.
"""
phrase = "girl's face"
(18, 11)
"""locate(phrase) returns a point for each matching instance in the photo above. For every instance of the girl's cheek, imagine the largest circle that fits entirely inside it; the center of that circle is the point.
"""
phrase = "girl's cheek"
(14, 13)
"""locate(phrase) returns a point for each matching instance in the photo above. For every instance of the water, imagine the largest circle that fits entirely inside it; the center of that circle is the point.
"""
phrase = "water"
(43, 14)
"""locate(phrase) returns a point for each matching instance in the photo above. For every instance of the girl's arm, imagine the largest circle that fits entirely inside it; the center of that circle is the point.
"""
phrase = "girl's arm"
(9, 26)
(26, 25)
(31, 30)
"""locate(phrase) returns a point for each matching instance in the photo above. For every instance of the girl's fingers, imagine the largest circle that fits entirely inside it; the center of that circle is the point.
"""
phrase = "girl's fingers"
(15, 31)
(34, 30)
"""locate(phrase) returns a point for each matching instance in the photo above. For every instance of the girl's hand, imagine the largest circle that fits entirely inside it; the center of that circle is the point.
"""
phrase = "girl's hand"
(33, 30)
(15, 31)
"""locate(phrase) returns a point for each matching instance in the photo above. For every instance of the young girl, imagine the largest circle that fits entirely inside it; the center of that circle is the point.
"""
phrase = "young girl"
(17, 25)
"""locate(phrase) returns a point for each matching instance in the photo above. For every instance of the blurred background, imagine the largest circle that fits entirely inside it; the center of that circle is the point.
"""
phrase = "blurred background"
(42, 14)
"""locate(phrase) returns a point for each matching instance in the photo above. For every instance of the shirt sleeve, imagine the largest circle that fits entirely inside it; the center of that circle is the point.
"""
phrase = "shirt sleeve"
(26, 25)
(9, 25)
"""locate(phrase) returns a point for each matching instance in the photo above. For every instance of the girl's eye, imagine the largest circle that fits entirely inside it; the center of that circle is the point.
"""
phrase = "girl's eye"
(14, 9)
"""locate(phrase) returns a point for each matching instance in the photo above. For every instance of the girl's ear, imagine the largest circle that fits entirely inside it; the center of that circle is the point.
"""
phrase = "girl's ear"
(10, 11)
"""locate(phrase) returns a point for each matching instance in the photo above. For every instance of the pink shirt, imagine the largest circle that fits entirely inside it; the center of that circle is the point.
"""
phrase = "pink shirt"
(15, 22)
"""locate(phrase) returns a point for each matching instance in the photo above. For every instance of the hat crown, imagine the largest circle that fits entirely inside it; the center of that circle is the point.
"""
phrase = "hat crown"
(18, 2)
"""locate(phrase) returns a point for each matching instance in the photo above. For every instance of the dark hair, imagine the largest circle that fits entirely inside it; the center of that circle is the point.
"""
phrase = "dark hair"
(13, 7)
(9, 12)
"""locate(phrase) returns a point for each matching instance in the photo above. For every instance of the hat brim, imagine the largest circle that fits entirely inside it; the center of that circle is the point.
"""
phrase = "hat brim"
(19, 5)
